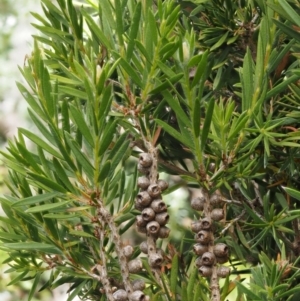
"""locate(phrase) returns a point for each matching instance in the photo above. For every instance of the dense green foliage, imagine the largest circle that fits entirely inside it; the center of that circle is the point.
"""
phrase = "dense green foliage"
(213, 86)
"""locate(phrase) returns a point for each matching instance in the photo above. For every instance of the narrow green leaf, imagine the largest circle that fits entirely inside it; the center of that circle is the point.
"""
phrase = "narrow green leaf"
(81, 124)
(107, 137)
(293, 16)
(191, 283)
(247, 81)
(96, 29)
(46, 207)
(36, 199)
(46, 183)
(200, 72)
(104, 171)
(72, 92)
(206, 126)
(130, 71)
(175, 133)
(174, 274)
(34, 285)
(292, 192)
(81, 234)
(80, 156)
(38, 141)
(175, 105)
(33, 246)
(134, 28)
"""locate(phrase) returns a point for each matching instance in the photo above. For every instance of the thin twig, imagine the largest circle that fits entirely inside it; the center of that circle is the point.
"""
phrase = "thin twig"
(105, 216)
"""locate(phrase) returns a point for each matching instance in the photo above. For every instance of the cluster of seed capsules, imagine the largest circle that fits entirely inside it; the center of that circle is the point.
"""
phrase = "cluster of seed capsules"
(209, 254)
(154, 216)
(134, 266)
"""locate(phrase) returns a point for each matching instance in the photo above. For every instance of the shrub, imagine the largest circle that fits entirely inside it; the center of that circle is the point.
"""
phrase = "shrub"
(121, 91)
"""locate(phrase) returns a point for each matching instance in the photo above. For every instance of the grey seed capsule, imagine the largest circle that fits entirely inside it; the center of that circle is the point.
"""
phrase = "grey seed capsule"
(120, 295)
(198, 262)
(153, 227)
(144, 247)
(215, 199)
(162, 218)
(128, 251)
(148, 214)
(163, 232)
(206, 223)
(143, 182)
(160, 252)
(141, 229)
(223, 271)
(221, 250)
(217, 214)
(140, 221)
(198, 203)
(158, 206)
(137, 296)
(205, 271)
(145, 160)
(155, 260)
(203, 237)
(143, 198)
(196, 226)
(138, 285)
(222, 260)
(200, 249)
(163, 185)
(154, 190)
(138, 206)
(135, 265)
(208, 258)
(143, 170)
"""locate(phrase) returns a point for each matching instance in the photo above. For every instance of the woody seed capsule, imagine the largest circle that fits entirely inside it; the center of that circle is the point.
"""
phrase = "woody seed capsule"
(223, 271)
(222, 260)
(153, 227)
(137, 296)
(158, 206)
(215, 199)
(162, 218)
(198, 262)
(143, 198)
(143, 170)
(135, 265)
(196, 226)
(205, 271)
(141, 229)
(128, 251)
(148, 214)
(138, 285)
(198, 203)
(163, 185)
(221, 250)
(203, 237)
(217, 214)
(140, 221)
(205, 223)
(154, 190)
(120, 295)
(144, 247)
(200, 249)
(138, 206)
(145, 160)
(208, 258)
(163, 232)
(143, 182)
(155, 260)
